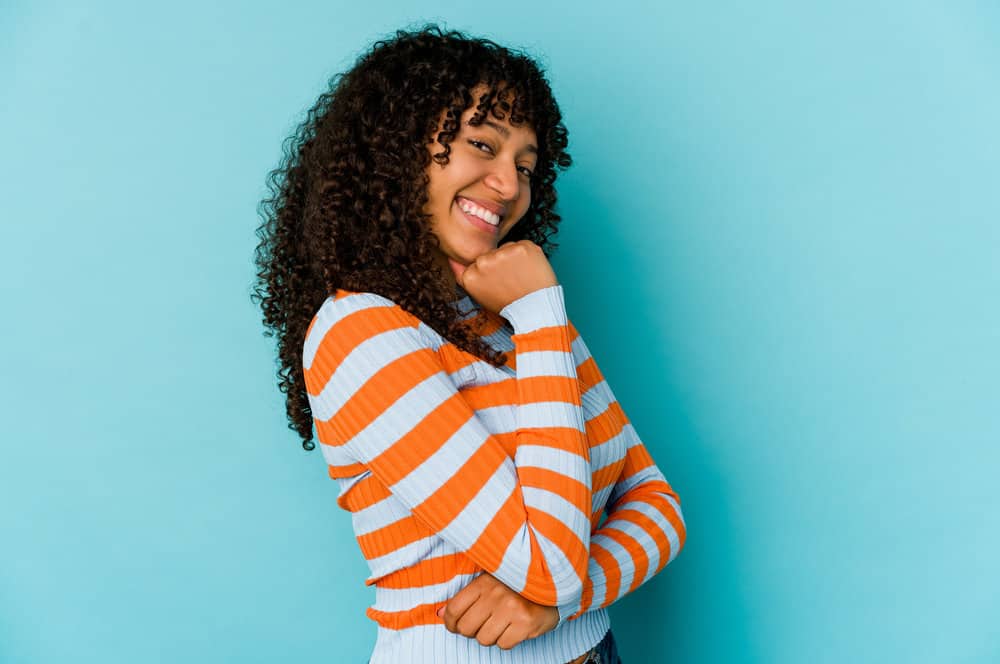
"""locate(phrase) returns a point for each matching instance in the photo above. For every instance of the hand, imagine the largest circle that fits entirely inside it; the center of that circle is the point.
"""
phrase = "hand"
(498, 277)
(493, 614)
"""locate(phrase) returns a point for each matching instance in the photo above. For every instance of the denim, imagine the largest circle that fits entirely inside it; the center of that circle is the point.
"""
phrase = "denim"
(605, 652)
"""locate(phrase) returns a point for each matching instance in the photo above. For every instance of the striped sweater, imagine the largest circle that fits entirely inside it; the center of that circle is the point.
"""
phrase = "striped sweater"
(451, 467)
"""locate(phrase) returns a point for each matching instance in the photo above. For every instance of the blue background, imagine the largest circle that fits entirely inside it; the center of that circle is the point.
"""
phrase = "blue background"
(780, 241)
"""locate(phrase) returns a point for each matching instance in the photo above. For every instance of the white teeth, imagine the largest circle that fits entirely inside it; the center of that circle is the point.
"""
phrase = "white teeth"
(485, 215)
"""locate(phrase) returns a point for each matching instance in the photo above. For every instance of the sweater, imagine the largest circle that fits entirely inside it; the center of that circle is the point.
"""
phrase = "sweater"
(451, 467)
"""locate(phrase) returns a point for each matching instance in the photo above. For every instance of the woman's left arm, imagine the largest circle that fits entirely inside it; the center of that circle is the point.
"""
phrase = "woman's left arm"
(644, 529)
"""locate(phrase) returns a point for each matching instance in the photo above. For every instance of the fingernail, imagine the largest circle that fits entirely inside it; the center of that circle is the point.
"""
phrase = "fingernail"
(440, 612)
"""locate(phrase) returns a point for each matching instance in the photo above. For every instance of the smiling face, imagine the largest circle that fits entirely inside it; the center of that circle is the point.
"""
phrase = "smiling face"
(484, 189)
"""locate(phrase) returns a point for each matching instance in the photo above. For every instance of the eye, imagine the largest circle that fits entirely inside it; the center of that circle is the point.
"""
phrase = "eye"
(479, 145)
(527, 172)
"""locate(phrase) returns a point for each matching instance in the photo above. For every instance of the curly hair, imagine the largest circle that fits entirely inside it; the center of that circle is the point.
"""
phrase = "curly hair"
(345, 207)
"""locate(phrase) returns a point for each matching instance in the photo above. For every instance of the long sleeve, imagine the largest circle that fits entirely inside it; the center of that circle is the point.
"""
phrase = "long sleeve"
(378, 388)
(644, 528)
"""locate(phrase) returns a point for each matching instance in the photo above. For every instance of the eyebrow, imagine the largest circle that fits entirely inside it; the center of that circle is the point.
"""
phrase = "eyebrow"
(503, 131)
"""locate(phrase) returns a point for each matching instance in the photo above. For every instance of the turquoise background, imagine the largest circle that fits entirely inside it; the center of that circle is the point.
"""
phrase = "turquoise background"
(780, 242)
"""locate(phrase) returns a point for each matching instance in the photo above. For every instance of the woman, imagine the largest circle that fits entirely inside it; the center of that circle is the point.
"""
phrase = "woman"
(497, 490)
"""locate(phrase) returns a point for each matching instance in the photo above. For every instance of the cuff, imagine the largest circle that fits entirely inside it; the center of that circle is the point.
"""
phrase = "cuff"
(544, 307)
(567, 611)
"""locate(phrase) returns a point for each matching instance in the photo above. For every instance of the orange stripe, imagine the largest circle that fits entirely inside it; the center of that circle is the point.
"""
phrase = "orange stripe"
(429, 571)
(555, 337)
(651, 493)
(423, 614)
(350, 331)
(652, 529)
(604, 426)
(377, 395)
(572, 490)
(350, 470)
(564, 439)
(638, 554)
(561, 534)
(573, 333)
(392, 537)
(365, 493)
(613, 577)
(538, 389)
(606, 476)
(539, 586)
(588, 373)
(459, 490)
(422, 441)
(454, 358)
(501, 393)
(493, 541)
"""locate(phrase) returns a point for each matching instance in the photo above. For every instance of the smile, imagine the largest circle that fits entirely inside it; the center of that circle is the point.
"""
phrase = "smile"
(479, 213)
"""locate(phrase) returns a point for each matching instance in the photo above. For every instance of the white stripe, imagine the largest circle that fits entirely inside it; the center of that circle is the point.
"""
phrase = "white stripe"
(478, 514)
(599, 582)
(600, 497)
(427, 477)
(513, 569)
(607, 453)
(378, 515)
(568, 585)
(332, 312)
(401, 417)
(336, 455)
(402, 557)
(514, 566)
(545, 363)
(546, 414)
(626, 484)
(554, 504)
(498, 419)
(660, 520)
(621, 556)
(404, 599)
(677, 508)
(556, 460)
(361, 364)
(644, 540)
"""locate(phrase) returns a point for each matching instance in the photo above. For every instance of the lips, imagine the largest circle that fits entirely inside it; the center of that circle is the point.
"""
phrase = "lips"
(477, 222)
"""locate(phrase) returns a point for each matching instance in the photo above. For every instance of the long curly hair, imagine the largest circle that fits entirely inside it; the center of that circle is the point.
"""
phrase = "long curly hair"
(346, 205)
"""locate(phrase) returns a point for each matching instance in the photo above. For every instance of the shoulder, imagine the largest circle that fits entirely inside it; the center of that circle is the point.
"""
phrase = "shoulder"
(347, 319)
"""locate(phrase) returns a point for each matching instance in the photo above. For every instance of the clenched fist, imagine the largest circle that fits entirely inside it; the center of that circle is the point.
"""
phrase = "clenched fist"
(494, 614)
(498, 277)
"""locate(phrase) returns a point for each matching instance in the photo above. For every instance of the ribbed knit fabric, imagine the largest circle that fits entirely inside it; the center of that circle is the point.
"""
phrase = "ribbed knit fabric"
(451, 467)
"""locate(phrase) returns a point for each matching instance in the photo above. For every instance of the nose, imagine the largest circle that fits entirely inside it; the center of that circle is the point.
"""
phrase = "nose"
(502, 178)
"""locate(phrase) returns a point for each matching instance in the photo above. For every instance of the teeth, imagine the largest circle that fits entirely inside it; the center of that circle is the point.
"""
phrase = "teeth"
(473, 209)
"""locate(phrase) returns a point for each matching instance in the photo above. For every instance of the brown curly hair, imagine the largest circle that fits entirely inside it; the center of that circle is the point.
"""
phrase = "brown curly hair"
(345, 206)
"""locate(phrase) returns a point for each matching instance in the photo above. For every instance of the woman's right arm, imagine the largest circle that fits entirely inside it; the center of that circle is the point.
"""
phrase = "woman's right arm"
(377, 387)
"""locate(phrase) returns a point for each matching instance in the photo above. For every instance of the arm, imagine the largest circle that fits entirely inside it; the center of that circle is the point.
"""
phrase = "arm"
(377, 387)
(645, 528)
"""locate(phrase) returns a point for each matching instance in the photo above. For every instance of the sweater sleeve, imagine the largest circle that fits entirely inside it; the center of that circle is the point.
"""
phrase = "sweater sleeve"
(378, 387)
(644, 528)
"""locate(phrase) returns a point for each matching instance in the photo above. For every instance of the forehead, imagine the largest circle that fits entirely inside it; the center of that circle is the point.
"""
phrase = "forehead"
(472, 117)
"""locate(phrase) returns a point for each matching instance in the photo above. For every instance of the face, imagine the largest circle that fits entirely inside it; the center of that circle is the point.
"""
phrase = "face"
(484, 189)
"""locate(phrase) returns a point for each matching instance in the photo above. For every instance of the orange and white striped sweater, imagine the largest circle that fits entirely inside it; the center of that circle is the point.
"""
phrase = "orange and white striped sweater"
(451, 467)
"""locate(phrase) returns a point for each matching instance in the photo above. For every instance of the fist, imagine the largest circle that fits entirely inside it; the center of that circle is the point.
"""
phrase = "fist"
(490, 612)
(498, 277)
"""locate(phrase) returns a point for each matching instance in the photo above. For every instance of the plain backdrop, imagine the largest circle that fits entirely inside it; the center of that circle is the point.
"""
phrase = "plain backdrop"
(780, 241)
